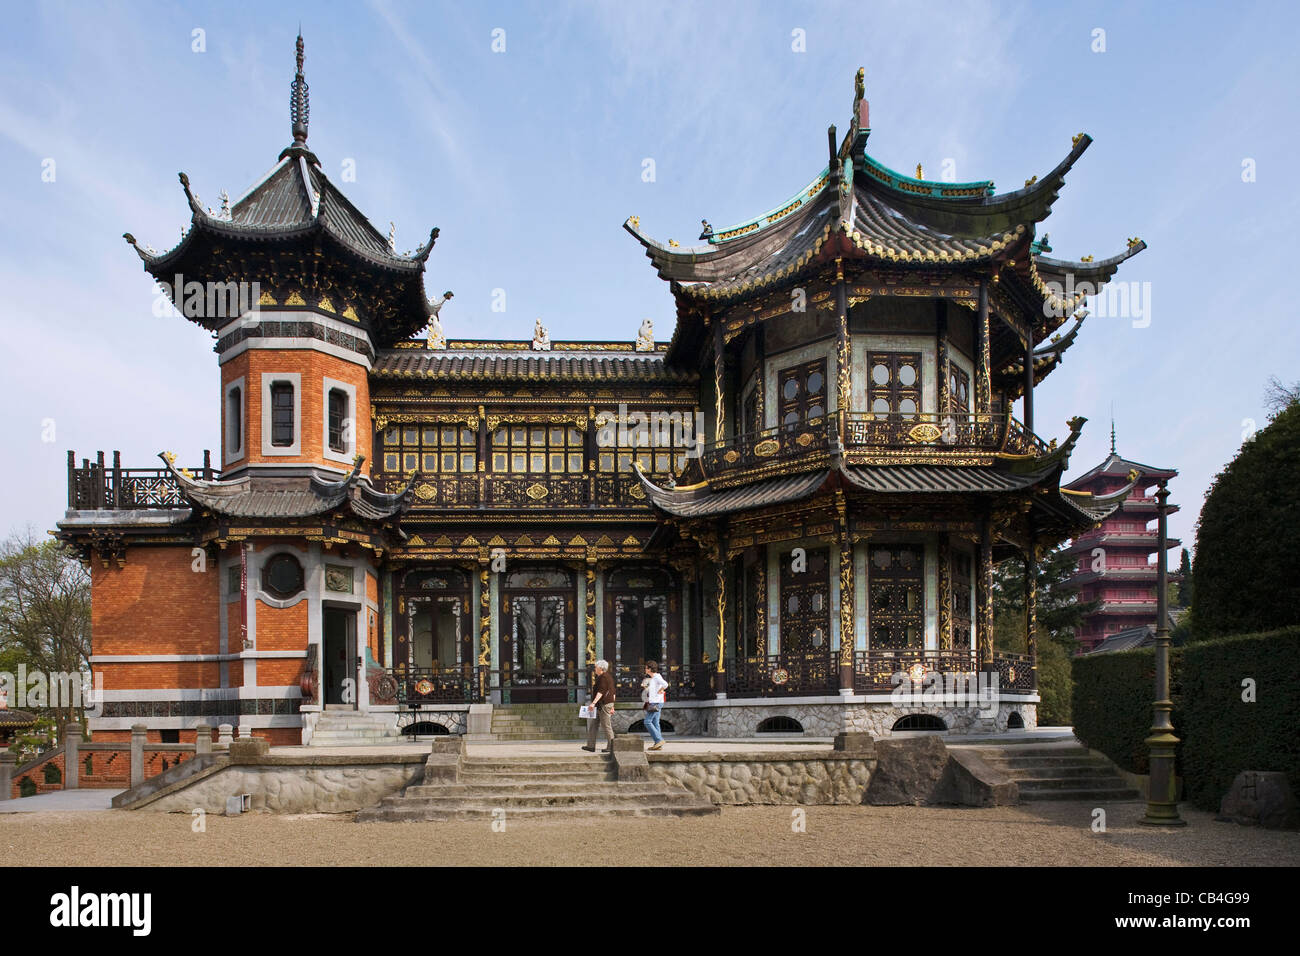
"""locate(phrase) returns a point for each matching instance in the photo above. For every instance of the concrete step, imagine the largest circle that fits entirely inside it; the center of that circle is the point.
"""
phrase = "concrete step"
(525, 779)
(531, 788)
(1107, 782)
(1116, 793)
(508, 800)
(576, 763)
(424, 814)
(1063, 770)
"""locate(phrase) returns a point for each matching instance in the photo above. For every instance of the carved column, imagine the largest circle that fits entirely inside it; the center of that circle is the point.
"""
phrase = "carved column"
(944, 400)
(846, 604)
(720, 565)
(983, 392)
(760, 598)
(945, 593)
(844, 353)
(719, 382)
(484, 631)
(591, 610)
(1029, 384)
(760, 385)
(1031, 608)
(984, 595)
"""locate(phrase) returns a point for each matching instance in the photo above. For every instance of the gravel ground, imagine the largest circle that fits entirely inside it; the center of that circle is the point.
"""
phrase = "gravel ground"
(1040, 834)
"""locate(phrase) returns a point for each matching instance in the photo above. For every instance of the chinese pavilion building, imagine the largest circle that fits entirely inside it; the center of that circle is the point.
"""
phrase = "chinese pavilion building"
(1114, 566)
(793, 504)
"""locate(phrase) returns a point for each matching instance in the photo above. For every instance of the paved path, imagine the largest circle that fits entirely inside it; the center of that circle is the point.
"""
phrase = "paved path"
(61, 800)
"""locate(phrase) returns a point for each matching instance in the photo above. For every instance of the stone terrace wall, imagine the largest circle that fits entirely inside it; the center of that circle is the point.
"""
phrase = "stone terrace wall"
(323, 787)
(799, 777)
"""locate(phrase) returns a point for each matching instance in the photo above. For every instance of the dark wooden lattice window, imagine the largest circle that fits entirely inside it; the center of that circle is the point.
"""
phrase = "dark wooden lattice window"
(430, 449)
(894, 384)
(961, 600)
(802, 390)
(537, 449)
(282, 423)
(805, 603)
(338, 412)
(897, 615)
(958, 389)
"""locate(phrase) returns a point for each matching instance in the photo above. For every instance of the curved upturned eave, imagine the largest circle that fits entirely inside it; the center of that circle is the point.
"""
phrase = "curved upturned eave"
(983, 216)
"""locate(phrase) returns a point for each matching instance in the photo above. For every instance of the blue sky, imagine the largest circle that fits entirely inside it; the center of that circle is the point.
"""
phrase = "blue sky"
(529, 160)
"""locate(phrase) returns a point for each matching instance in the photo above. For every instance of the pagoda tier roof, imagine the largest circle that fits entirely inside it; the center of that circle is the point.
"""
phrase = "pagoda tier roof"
(515, 361)
(1114, 466)
(16, 719)
(858, 208)
(278, 497)
(294, 200)
(295, 209)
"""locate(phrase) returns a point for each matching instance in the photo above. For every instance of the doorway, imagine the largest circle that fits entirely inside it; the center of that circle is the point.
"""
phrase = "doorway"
(539, 643)
(339, 632)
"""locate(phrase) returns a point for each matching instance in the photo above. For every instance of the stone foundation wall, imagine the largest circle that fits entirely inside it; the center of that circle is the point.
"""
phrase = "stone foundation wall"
(684, 720)
(732, 779)
(742, 719)
(877, 719)
(453, 720)
(294, 789)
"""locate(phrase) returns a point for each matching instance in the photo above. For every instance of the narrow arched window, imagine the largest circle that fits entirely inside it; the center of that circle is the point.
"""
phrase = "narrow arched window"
(234, 421)
(338, 412)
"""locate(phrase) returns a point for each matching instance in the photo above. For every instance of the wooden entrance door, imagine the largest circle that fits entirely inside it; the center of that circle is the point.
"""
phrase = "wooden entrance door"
(339, 630)
(539, 640)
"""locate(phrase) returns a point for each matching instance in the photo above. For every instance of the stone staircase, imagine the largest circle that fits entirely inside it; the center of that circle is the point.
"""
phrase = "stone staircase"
(534, 788)
(538, 722)
(1064, 771)
(352, 728)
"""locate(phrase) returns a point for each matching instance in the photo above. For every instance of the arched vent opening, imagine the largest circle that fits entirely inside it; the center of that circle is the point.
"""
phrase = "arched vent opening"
(780, 725)
(919, 722)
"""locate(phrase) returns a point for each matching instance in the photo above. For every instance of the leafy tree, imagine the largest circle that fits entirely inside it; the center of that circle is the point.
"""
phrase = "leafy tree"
(44, 614)
(1185, 588)
(1244, 579)
(1059, 615)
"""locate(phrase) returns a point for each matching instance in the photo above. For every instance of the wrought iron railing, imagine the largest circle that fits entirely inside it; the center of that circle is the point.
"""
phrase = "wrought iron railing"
(685, 681)
(408, 686)
(1015, 673)
(783, 675)
(96, 485)
(874, 671)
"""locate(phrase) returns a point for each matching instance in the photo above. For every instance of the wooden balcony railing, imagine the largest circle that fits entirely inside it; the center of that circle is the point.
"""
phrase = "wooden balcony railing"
(95, 485)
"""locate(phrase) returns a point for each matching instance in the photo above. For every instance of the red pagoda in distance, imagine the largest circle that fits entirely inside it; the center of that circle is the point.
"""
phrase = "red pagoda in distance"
(1113, 558)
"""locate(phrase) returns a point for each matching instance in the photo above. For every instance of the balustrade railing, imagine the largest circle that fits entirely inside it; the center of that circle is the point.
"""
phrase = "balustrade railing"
(802, 440)
(406, 686)
(783, 675)
(97, 485)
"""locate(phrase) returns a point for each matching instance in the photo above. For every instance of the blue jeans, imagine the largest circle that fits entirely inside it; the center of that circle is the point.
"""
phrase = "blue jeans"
(652, 722)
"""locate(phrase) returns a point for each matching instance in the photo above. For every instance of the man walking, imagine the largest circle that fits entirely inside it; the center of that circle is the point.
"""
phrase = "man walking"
(656, 697)
(603, 701)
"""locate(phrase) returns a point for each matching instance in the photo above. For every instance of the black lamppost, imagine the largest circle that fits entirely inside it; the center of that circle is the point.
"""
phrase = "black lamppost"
(1162, 803)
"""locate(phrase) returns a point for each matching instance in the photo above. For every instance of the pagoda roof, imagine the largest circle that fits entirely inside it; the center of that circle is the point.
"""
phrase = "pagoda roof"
(858, 208)
(1115, 466)
(295, 204)
(1056, 509)
(16, 719)
(514, 361)
(273, 497)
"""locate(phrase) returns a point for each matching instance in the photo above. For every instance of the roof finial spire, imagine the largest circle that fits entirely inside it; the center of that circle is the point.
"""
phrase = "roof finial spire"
(299, 108)
(1112, 428)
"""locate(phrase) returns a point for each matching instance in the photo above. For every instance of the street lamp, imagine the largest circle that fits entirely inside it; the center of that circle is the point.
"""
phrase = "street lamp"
(1162, 803)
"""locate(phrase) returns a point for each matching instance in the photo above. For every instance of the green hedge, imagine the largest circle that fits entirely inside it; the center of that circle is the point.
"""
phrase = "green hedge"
(1221, 735)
